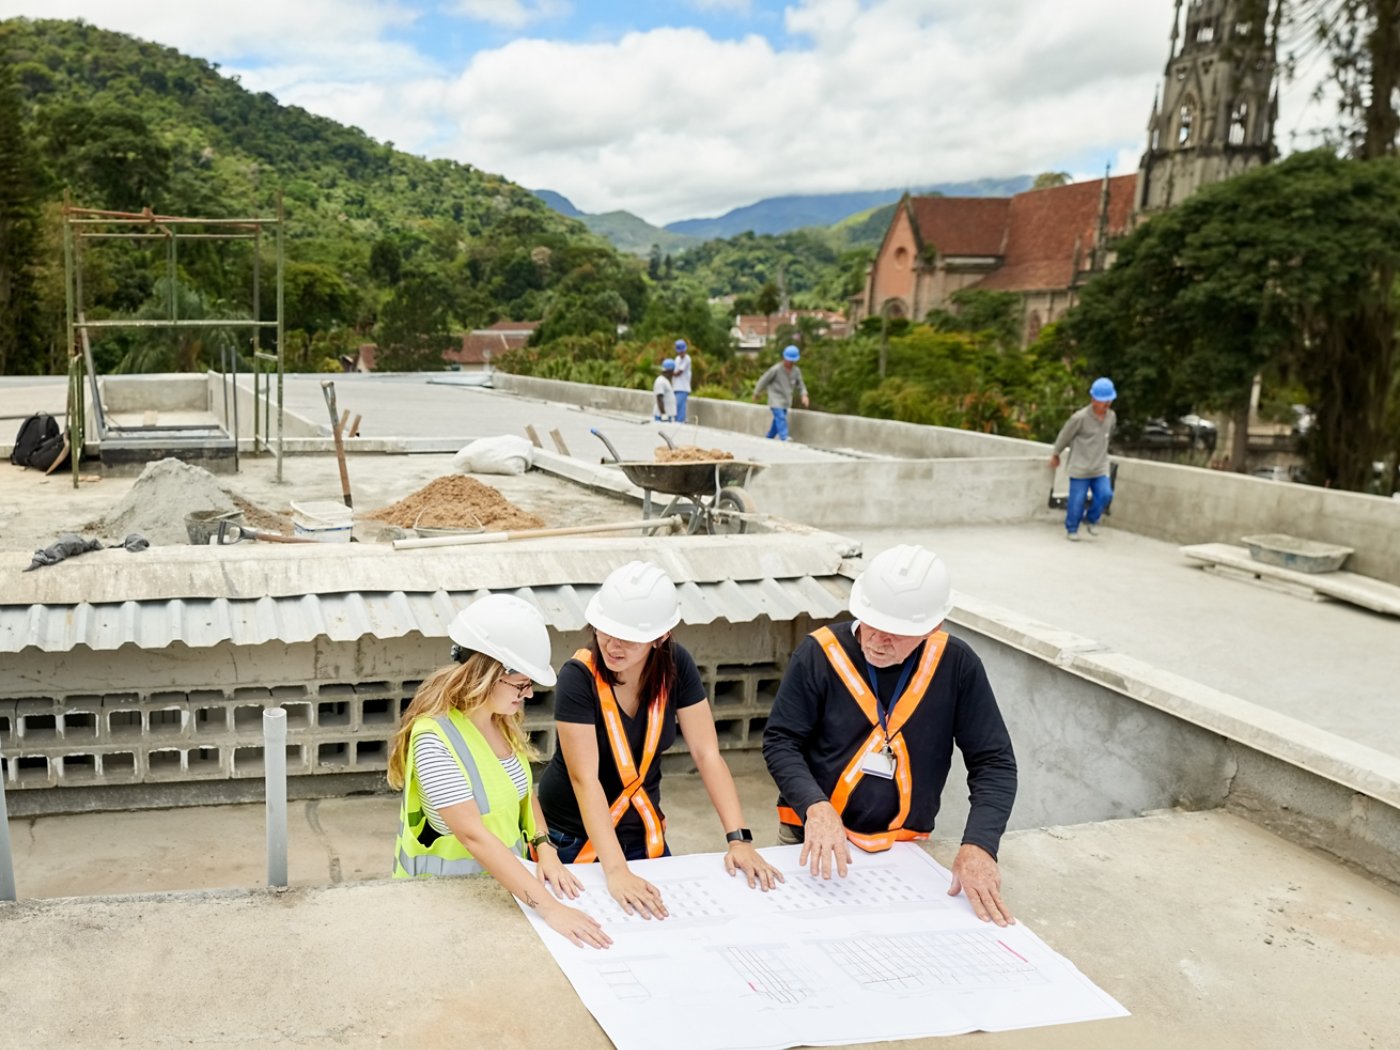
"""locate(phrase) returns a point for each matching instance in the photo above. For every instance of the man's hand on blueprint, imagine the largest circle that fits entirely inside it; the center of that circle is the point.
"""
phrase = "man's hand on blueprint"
(635, 894)
(824, 841)
(975, 873)
(742, 856)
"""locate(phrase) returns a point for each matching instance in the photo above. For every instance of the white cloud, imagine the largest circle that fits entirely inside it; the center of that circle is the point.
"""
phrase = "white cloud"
(672, 123)
(510, 14)
(738, 7)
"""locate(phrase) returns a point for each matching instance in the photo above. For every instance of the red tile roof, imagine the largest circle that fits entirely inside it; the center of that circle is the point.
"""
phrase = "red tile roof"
(493, 341)
(961, 225)
(1044, 227)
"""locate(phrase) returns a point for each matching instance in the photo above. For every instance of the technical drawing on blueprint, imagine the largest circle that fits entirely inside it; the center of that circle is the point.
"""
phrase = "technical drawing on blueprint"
(882, 954)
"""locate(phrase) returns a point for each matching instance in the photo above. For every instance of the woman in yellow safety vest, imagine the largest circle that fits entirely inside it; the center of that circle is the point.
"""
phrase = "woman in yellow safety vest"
(617, 707)
(462, 760)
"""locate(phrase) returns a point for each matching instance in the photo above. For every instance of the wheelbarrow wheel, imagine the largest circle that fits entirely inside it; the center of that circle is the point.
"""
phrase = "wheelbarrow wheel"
(735, 501)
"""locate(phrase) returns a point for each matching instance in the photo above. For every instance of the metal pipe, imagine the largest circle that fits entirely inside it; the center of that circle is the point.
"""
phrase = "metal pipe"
(281, 228)
(164, 234)
(69, 318)
(275, 773)
(225, 322)
(7, 864)
(150, 220)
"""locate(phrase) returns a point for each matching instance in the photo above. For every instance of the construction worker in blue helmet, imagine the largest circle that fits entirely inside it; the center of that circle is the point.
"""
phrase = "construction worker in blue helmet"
(1086, 434)
(782, 381)
(681, 381)
(665, 393)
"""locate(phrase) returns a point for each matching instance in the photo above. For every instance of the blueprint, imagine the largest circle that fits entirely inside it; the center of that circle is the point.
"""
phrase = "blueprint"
(883, 954)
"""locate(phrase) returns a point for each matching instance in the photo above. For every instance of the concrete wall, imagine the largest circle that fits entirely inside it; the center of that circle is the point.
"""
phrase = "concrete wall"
(903, 493)
(876, 437)
(1188, 505)
(160, 393)
(293, 425)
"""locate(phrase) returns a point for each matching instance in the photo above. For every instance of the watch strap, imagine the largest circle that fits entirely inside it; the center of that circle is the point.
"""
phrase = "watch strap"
(741, 835)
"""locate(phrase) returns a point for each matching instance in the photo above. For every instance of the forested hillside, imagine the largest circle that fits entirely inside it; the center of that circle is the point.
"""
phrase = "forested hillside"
(382, 245)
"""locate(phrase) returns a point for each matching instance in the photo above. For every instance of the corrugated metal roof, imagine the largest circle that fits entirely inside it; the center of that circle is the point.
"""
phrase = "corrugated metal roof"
(202, 623)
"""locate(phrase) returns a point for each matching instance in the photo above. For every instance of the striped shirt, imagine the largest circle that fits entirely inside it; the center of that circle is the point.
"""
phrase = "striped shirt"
(443, 782)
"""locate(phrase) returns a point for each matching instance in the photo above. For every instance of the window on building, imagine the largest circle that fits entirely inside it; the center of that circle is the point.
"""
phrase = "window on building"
(1205, 34)
(1180, 74)
(1239, 123)
(1185, 122)
(901, 258)
(1243, 30)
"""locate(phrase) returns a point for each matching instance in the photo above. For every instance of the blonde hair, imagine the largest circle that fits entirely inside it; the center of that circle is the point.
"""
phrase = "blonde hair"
(462, 687)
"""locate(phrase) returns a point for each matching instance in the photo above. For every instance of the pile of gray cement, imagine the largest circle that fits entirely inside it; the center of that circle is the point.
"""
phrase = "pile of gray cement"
(156, 506)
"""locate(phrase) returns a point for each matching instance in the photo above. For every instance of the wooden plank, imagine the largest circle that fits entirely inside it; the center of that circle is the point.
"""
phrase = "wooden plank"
(559, 441)
(534, 438)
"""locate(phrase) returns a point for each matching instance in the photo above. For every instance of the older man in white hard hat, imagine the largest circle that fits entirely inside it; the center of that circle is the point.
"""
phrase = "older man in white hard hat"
(861, 734)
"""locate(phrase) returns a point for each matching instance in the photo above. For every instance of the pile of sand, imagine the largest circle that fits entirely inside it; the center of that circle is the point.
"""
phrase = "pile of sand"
(165, 493)
(156, 506)
(456, 502)
(691, 454)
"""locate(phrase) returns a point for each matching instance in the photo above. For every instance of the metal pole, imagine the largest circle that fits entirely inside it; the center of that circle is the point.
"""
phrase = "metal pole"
(7, 864)
(281, 332)
(275, 767)
(75, 453)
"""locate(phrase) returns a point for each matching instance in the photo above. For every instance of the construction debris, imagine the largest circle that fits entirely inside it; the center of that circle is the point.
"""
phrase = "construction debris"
(454, 502)
(691, 454)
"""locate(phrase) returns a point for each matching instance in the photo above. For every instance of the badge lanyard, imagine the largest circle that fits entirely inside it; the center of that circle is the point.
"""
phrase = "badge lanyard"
(899, 688)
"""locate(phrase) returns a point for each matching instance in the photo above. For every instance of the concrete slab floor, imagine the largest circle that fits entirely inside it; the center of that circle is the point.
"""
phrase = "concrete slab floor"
(35, 509)
(1331, 665)
(1211, 931)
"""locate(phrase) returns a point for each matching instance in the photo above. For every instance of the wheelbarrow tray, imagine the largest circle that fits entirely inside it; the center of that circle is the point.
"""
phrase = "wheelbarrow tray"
(690, 477)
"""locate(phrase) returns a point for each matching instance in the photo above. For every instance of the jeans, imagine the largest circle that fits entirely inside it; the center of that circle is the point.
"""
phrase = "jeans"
(1075, 511)
(779, 428)
(682, 396)
(569, 847)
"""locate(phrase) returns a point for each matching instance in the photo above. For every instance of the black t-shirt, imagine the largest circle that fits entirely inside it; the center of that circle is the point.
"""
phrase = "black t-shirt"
(576, 700)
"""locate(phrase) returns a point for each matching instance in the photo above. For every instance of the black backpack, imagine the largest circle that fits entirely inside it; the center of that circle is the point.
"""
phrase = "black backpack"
(39, 442)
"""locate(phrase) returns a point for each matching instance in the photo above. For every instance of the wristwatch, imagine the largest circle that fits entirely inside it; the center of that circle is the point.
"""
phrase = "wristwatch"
(742, 835)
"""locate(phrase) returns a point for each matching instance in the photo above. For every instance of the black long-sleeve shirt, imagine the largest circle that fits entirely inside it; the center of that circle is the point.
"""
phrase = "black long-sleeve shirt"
(816, 726)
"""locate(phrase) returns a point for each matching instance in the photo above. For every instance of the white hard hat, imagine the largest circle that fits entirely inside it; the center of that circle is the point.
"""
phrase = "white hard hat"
(508, 629)
(637, 603)
(904, 590)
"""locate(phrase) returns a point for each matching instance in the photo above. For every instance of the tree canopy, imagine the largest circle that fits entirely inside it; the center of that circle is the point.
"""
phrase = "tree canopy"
(1287, 269)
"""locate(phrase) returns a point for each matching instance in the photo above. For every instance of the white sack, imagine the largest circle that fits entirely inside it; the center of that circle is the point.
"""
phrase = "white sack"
(506, 454)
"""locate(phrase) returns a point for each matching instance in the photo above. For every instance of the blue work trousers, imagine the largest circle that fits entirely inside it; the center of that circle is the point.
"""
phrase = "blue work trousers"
(682, 396)
(1075, 509)
(779, 428)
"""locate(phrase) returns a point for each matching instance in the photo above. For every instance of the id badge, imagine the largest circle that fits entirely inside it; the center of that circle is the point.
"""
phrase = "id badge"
(878, 764)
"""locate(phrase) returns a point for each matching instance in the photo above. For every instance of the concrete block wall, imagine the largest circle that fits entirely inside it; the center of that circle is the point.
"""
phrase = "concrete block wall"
(169, 392)
(193, 718)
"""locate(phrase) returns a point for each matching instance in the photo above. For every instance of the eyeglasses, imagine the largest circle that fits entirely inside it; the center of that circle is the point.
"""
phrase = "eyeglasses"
(519, 687)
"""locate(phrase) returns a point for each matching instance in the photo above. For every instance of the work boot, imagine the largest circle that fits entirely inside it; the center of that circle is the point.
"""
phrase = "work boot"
(1073, 537)
(1089, 527)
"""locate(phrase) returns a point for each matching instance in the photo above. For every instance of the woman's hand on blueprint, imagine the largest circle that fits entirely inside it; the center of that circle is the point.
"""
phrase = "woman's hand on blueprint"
(742, 856)
(975, 873)
(635, 894)
(824, 841)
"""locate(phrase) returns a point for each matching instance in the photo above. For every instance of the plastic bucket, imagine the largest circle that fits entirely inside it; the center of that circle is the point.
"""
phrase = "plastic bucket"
(326, 521)
(202, 525)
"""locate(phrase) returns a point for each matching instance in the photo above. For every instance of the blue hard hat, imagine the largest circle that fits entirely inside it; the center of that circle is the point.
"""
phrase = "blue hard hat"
(1102, 390)
(668, 365)
(791, 354)
(680, 346)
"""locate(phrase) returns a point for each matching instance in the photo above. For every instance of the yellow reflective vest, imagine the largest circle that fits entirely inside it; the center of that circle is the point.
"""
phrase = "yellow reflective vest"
(507, 816)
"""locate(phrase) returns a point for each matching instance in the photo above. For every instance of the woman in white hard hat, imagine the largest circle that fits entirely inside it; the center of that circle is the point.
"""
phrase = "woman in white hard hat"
(462, 760)
(617, 707)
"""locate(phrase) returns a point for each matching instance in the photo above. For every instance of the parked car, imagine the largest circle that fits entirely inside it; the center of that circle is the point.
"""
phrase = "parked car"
(1188, 431)
(1272, 473)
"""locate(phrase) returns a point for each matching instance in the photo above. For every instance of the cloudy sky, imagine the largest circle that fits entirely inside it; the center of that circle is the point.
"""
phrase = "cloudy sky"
(677, 109)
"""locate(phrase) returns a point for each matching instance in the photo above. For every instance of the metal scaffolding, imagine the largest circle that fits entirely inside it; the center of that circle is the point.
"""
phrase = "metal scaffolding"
(86, 224)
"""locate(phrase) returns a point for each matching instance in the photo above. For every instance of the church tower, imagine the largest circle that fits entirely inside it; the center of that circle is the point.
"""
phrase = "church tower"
(1214, 117)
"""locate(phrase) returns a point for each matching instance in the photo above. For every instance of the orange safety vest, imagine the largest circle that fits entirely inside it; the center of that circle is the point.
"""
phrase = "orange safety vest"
(633, 776)
(903, 710)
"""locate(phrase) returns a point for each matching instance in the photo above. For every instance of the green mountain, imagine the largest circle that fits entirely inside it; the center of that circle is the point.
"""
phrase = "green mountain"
(629, 233)
(381, 244)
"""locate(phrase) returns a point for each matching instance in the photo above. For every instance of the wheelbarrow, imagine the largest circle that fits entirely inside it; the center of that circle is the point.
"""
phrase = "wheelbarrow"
(709, 495)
